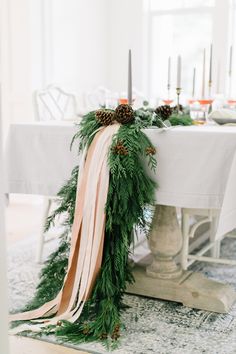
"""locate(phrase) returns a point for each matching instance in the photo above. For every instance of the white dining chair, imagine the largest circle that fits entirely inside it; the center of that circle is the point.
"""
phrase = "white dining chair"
(54, 103)
(51, 103)
(212, 246)
(97, 97)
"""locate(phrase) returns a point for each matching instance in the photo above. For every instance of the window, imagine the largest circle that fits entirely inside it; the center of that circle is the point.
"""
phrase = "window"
(183, 27)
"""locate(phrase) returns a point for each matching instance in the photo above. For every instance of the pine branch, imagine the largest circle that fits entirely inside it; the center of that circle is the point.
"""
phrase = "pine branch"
(66, 203)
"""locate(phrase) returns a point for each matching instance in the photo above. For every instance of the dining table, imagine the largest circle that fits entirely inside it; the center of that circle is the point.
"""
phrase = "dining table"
(196, 168)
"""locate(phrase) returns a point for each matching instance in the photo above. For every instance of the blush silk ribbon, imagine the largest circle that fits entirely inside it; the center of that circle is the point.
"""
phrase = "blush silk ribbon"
(87, 239)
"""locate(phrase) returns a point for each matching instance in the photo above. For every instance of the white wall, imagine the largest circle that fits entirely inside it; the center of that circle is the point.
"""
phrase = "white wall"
(16, 61)
(51, 41)
(126, 31)
(79, 43)
(90, 42)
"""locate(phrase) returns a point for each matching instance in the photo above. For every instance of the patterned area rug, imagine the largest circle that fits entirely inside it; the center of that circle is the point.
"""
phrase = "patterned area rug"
(152, 326)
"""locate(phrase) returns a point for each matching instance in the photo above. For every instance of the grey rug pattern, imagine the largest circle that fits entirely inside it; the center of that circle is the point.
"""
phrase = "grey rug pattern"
(151, 326)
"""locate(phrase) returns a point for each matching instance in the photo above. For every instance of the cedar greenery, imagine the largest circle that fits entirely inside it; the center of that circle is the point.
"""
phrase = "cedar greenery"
(123, 211)
(180, 120)
(67, 195)
(148, 117)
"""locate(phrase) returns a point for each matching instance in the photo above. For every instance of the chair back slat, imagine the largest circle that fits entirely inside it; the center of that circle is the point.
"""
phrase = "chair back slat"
(53, 103)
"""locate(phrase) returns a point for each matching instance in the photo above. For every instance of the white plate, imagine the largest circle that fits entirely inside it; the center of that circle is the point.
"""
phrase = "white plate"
(224, 120)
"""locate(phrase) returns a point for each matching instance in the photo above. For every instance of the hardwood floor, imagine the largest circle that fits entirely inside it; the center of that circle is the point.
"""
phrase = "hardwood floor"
(23, 216)
(19, 345)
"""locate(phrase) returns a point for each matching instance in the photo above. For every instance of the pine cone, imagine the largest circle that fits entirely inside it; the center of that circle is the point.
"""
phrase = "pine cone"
(105, 116)
(124, 114)
(164, 111)
(175, 108)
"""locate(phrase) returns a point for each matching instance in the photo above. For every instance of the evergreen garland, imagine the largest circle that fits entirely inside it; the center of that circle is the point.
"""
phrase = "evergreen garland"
(55, 267)
(127, 179)
(100, 319)
(130, 193)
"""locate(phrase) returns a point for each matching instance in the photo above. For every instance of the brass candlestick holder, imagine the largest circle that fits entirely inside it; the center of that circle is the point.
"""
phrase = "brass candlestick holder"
(178, 91)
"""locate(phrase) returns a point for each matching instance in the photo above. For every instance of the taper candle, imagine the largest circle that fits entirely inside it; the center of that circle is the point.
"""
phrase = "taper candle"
(210, 68)
(169, 73)
(203, 73)
(230, 70)
(178, 85)
(218, 78)
(230, 60)
(130, 78)
(194, 80)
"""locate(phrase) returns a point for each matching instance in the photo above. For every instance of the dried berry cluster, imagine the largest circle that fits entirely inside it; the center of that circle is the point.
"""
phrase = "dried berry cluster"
(150, 150)
(120, 149)
(116, 334)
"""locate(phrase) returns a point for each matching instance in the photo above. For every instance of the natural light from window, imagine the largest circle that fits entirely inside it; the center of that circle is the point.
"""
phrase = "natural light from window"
(178, 27)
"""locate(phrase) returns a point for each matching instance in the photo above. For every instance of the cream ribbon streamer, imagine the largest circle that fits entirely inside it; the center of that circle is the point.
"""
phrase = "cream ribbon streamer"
(86, 241)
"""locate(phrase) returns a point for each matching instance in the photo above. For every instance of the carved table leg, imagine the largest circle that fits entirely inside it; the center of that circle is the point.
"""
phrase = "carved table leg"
(165, 242)
(164, 279)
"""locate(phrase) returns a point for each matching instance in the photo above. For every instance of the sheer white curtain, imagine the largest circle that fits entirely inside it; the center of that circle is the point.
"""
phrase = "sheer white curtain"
(3, 270)
(3, 282)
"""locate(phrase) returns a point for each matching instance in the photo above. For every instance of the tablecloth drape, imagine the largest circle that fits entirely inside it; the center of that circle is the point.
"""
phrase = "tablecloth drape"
(196, 165)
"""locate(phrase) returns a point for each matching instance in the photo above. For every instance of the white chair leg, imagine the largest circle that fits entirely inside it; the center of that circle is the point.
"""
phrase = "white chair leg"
(215, 251)
(7, 199)
(185, 233)
(46, 208)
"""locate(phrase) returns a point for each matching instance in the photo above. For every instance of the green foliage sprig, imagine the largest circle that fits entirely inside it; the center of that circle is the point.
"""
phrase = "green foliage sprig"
(147, 117)
(180, 120)
(66, 204)
(87, 128)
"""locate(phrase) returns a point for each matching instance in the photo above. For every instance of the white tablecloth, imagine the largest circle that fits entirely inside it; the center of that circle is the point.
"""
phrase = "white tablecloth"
(38, 157)
(196, 165)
